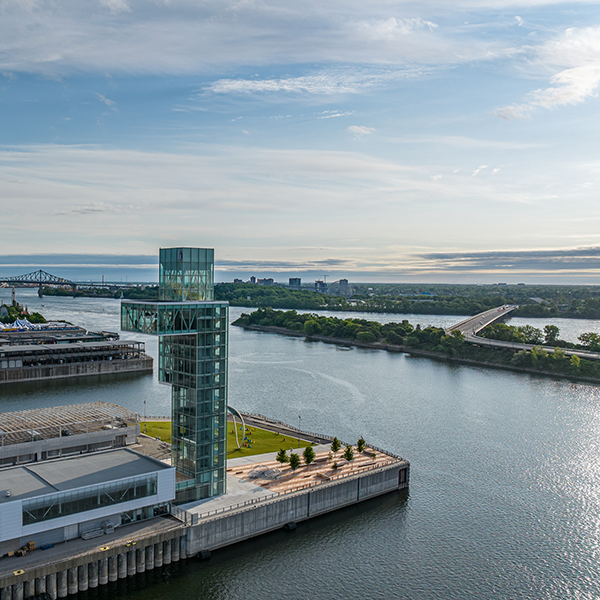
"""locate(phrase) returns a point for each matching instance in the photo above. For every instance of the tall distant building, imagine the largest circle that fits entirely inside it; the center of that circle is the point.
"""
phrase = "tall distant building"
(295, 283)
(344, 287)
(193, 331)
(320, 287)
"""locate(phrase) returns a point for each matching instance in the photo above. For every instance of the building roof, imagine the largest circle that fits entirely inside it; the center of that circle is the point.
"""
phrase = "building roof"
(21, 426)
(63, 347)
(50, 476)
(21, 484)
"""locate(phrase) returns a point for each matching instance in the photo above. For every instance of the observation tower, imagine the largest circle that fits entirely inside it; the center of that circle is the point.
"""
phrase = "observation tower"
(193, 337)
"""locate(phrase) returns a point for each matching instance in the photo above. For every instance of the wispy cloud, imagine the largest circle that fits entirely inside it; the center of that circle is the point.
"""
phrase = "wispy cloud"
(179, 36)
(360, 130)
(104, 100)
(575, 260)
(579, 51)
(324, 83)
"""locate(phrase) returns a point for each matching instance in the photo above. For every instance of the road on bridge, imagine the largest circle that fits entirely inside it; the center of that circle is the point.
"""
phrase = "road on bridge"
(472, 326)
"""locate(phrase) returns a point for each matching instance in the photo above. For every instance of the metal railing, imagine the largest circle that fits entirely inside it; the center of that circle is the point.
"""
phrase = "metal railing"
(275, 497)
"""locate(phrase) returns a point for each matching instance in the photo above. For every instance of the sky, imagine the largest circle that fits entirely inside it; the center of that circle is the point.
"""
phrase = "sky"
(428, 141)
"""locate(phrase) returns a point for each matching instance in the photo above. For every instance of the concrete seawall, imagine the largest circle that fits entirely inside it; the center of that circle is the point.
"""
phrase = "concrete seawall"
(109, 561)
(79, 369)
(220, 531)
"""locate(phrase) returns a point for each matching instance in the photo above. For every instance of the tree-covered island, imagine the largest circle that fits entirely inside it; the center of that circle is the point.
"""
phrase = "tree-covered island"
(434, 342)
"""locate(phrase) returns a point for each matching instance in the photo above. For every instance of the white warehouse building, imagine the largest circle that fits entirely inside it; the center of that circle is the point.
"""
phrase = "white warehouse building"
(53, 501)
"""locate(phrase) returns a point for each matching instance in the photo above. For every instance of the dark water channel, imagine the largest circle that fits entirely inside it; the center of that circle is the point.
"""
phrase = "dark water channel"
(505, 482)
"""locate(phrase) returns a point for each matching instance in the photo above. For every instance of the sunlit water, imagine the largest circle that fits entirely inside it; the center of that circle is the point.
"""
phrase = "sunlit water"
(504, 499)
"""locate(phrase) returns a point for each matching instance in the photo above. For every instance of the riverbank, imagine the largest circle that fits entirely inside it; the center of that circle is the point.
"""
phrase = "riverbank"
(414, 351)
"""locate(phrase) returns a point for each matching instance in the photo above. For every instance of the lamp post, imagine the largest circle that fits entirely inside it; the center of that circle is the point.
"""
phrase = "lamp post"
(299, 429)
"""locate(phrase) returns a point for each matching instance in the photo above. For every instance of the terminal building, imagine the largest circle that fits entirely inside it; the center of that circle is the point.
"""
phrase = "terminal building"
(52, 501)
(70, 471)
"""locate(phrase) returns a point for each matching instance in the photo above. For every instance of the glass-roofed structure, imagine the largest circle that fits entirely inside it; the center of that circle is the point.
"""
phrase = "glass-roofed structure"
(192, 330)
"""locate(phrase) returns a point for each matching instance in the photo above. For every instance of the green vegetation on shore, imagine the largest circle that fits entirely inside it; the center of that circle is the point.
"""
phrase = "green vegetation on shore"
(18, 312)
(430, 339)
(148, 292)
(527, 334)
(582, 302)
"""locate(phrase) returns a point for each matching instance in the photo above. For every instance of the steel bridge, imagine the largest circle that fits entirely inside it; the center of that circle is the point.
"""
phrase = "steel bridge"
(41, 278)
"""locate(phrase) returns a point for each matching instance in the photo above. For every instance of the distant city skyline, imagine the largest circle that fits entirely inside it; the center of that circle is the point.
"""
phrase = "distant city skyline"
(379, 141)
(566, 267)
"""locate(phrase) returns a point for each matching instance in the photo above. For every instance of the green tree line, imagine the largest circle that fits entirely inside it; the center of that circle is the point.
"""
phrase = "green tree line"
(435, 339)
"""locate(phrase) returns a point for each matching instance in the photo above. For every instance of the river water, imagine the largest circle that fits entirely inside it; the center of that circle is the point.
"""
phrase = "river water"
(504, 499)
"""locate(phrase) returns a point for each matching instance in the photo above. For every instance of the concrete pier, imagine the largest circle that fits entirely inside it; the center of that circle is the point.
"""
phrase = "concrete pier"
(149, 557)
(112, 568)
(93, 574)
(167, 552)
(122, 566)
(17, 591)
(40, 585)
(103, 571)
(6, 593)
(158, 555)
(61, 584)
(82, 577)
(51, 585)
(131, 563)
(140, 560)
(29, 589)
(175, 550)
(72, 582)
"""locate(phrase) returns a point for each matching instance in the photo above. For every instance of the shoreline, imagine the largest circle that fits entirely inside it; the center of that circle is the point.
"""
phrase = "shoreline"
(414, 351)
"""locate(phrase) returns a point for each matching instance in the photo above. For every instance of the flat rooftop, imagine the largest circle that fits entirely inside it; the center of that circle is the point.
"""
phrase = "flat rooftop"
(45, 423)
(64, 347)
(50, 476)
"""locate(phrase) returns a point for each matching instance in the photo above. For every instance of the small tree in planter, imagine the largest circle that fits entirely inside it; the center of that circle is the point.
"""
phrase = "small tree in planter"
(360, 445)
(334, 466)
(282, 457)
(349, 453)
(335, 445)
(294, 461)
(309, 455)
(330, 457)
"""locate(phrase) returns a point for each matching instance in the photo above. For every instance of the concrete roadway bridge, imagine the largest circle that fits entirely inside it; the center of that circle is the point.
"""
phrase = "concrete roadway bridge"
(473, 325)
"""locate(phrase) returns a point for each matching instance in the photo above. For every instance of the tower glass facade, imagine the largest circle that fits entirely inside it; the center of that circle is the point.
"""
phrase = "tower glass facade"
(193, 337)
(186, 274)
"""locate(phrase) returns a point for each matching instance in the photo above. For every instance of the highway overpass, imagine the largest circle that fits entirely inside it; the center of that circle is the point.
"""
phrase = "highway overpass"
(473, 325)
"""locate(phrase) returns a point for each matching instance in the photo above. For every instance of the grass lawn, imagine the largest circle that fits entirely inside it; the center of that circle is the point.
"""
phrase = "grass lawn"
(161, 429)
(261, 441)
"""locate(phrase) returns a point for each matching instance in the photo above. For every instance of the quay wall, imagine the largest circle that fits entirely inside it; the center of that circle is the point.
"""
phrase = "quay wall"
(75, 574)
(79, 369)
(262, 517)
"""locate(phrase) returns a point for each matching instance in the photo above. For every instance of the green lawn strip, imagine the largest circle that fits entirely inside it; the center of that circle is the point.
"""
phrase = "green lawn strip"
(161, 429)
(261, 440)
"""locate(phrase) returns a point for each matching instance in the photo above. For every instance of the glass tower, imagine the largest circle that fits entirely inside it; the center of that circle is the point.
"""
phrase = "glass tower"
(192, 330)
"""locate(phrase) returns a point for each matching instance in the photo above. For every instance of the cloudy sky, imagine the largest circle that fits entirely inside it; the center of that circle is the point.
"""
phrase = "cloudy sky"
(380, 141)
